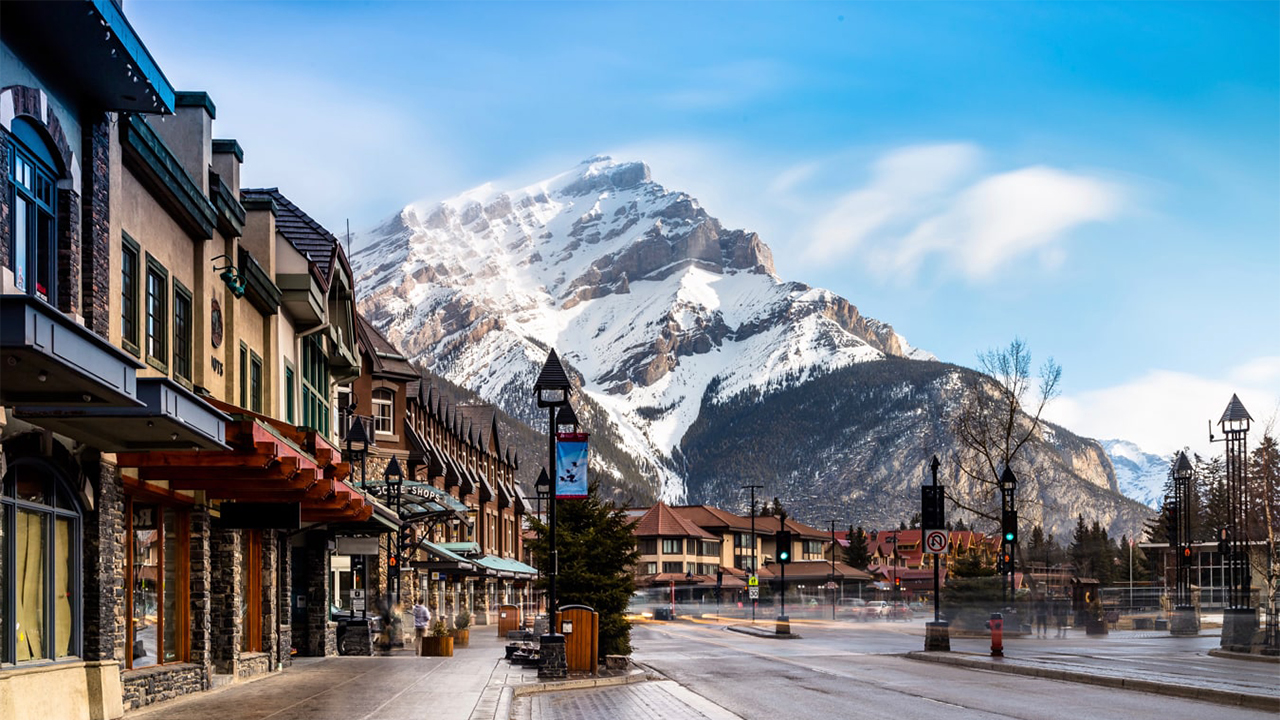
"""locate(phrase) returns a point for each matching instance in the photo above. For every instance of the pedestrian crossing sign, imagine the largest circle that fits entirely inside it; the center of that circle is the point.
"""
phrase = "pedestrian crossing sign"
(753, 581)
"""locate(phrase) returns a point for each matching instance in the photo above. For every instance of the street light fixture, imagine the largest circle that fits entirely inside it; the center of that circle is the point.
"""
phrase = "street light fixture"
(552, 389)
(358, 445)
(393, 476)
(1239, 619)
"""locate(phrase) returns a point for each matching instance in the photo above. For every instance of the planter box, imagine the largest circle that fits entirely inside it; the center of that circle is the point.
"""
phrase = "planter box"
(433, 646)
(462, 638)
(1095, 627)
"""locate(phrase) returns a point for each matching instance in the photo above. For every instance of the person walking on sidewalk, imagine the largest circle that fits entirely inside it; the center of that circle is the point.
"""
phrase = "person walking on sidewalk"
(1042, 616)
(421, 621)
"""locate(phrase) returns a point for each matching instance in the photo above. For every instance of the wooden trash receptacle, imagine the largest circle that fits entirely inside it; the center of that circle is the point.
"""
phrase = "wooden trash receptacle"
(580, 626)
(508, 619)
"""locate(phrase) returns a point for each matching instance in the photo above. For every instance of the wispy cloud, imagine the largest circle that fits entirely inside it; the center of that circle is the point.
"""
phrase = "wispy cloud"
(1164, 410)
(727, 85)
(928, 201)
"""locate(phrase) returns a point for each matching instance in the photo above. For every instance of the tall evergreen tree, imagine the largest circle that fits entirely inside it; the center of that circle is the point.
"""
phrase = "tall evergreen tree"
(858, 554)
(598, 553)
(1214, 511)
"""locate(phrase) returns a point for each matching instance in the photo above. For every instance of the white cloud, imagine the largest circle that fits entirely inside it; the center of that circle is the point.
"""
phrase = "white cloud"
(1164, 410)
(919, 204)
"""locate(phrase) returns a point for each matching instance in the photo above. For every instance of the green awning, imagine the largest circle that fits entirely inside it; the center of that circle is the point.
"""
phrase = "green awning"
(506, 567)
(419, 501)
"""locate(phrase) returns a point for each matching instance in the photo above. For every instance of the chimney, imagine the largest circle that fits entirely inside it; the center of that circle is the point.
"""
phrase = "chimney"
(228, 156)
(188, 133)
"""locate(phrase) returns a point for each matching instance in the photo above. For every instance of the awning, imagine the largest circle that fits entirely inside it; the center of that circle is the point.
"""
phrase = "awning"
(442, 559)
(506, 567)
(47, 360)
(172, 419)
(269, 461)
(420, 501)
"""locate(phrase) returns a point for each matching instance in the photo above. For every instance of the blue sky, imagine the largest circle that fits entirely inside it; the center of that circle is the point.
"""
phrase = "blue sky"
(1101, 180)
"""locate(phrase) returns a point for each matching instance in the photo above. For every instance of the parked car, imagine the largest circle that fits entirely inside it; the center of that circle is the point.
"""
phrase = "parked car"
(852, 609)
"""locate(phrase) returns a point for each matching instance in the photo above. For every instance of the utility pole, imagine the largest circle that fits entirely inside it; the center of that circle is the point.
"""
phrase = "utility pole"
(833, 568)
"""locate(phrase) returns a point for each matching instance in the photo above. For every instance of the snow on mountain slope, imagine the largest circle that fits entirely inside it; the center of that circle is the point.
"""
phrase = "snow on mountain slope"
(642, 293)
(1140, 475)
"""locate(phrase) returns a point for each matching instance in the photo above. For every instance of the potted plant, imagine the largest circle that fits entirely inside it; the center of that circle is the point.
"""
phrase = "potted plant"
(439, 643)
(1095, 620)
(461, 628)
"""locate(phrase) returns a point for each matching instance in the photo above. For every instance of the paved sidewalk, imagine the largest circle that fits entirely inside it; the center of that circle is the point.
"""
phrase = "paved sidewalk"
(654, 700)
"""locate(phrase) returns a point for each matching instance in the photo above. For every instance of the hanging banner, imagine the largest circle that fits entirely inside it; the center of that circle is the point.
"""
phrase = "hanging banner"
(571, 465)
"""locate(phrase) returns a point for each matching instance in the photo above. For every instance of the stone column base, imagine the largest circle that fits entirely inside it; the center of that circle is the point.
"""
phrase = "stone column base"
(1184, 621)
(553, 665)
(937, 636)
(1239, 626)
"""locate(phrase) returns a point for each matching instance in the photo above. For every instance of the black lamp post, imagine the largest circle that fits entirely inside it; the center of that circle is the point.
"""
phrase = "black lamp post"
(393, 476)
(552, 389)
(358, 445)
(832, 579)
(1239, 619)
(1182, 474)
(753, 489)
(1009, 521)
(542, 490)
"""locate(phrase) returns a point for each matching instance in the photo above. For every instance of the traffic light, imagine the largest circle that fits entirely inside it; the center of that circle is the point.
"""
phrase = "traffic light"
(897, 583)
(782, 544)
(393, 563)
(1186, 552)
(1005, 563)
(932, 513)
(1009, 526)
(1224, 542)
(405, 542)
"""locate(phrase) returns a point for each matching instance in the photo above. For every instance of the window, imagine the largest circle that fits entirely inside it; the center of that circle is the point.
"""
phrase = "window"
(709, 547)
(691, 547)
(157, 314)
(244, 375)
(33, 252)
(289, 395)
(649, 568)
(251, 591)
(812, 547)
(129, 254)
(673, 567)
(742, 540)
(315, 386)
(39, 565)
(671, 546)
(255, 382)
(383, 411)
(156, 586)
(649, 547)
(181, 331)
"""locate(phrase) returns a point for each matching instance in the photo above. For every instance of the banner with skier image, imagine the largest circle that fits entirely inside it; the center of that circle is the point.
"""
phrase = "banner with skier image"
(571, 465)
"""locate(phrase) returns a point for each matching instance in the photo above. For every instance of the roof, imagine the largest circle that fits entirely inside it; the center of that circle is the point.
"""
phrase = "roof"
(705, 516)
(662, 521)
(481, 419)
(384, 358)
(1235, 411)
(305, 234)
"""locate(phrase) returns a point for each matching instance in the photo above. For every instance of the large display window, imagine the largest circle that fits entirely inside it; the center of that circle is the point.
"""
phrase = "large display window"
(39, 565)
(157, 584)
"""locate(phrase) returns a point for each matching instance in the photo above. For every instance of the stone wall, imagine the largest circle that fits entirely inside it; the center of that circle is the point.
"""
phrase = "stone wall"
(318, 637)
(162, 682)
(201, 584)
(68, 270)
(95, 236)
(250, 664)
(104, 560)
(6, 191)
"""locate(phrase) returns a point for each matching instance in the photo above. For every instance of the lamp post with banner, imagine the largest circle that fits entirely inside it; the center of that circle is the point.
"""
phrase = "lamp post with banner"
(551, 390)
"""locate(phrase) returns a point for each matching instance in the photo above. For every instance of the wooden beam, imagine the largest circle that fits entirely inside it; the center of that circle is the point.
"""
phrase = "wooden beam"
(194, 458)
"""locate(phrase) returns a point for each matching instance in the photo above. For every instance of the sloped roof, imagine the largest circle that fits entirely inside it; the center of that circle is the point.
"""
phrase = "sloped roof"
(1235, 411)
(662, 521)
(706, 516)
(383, 356)
(305, 234)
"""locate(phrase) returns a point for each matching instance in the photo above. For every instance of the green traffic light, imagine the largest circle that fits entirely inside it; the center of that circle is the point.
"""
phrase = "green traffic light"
(1008, 537)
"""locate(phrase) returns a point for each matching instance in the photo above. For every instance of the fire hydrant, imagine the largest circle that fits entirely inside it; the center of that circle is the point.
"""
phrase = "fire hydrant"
(996, 623)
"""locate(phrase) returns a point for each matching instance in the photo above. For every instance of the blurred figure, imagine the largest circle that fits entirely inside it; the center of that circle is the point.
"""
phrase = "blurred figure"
(421, 621)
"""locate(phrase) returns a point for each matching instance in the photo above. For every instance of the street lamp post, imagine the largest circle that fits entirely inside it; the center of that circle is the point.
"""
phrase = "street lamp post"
(1183, 620)
(832, 579)
(393, 476)
(552, 389)
(754, 572)
(358, 449)
(542, 489)
(1239, 619)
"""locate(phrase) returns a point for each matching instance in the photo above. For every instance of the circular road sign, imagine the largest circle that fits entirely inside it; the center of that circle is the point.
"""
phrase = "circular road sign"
(935, 541)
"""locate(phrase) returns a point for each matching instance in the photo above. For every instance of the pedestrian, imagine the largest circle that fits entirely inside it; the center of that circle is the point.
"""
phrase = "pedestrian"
(1060, 615)
(1042, 617)
(421, 621)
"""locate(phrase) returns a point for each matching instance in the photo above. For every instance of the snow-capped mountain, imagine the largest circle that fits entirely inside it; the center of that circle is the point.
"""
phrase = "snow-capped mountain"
(691, 355)
(642, 293)
(1139, 474)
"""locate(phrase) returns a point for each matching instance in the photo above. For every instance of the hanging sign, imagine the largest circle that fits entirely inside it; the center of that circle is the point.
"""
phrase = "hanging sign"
(571, 465)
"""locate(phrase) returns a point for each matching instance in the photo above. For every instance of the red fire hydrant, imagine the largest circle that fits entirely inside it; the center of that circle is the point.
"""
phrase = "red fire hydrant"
(996, 623)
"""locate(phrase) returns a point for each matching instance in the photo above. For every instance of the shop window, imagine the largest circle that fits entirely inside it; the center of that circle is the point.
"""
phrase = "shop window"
(129, 257)
(156, 585)
(33, 249)
(251, 591)
(383, 411)
(181, 332)
(157, 314)
(39, 566)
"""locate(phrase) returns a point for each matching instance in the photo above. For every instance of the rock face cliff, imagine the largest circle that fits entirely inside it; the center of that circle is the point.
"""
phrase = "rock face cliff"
(661, 314)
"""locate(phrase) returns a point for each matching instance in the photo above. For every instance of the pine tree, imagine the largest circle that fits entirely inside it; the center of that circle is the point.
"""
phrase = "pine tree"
(1080, 549)
(1214, 510)
(598, 552)
(858, 554)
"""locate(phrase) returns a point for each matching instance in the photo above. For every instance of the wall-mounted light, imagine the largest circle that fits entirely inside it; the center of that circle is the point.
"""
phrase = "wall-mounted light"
(234, 281)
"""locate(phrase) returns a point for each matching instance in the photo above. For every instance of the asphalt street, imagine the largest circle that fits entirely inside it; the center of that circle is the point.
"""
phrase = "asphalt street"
(841, 670)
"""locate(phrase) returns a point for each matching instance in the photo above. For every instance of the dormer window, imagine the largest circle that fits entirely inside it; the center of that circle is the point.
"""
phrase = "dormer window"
(383, 411)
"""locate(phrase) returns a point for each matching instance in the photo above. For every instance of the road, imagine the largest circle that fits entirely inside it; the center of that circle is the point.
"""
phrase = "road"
(839, 671)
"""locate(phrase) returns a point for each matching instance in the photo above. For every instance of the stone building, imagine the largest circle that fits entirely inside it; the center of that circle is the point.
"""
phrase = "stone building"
(171, 351)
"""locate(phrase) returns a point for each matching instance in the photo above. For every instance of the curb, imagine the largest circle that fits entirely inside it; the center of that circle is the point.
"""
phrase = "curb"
(1251, 657)
(581, 684)
(1220, 697)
